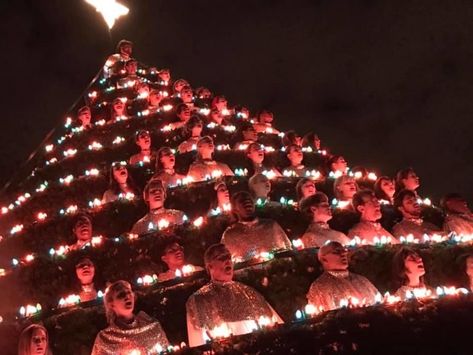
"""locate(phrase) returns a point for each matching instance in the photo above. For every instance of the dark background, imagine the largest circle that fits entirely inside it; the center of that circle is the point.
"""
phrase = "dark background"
(386, 83)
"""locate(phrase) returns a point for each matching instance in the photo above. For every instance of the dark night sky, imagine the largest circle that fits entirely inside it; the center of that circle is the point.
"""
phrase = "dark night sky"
(386, 83)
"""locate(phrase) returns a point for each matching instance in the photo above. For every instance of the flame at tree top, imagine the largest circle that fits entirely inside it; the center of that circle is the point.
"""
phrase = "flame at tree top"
(110, 10)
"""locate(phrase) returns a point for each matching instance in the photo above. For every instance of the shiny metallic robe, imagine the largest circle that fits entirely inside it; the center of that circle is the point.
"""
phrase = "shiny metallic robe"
(200, 169)
(416, 227)
(188, 145)
(368, 231)
(168, 177)
(333, 286)
(220, 302)
(143, 334)
(225, 302)
(143, 157)
(245, 240)
(87, 293)
(459, 223)
(150, 221)
(416, 291)
(318, 233)
(300, 171)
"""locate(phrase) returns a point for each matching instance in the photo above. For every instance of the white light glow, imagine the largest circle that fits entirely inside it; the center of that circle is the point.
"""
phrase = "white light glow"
(110, 10)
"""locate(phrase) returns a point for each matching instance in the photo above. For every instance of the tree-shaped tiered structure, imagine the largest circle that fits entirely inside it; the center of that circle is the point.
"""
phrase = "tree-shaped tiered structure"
(72, 172)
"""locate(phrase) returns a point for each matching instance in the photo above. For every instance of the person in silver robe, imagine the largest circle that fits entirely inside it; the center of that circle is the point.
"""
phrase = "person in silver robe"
(146, 154)
(223, 305)
(252, 235)
(204, 166)
(158, 216)
(295, 156)
(192, 130)
(264, 122)
(127, 332)
(255, 152)
(260, 187)
(459, 218)
(85, 272)
(368, 207)
(248, 135)
(82, 231)
(131, 80)
(34, 340)
(174, 259)
(84, 117)
(220, 201)
(165, 162)
(407, 179)
(305, 187)
(408, 275)
(112, 65)
(412, 222)
(154, 99)
(120, 183)
(317, 209)
(337, 283)
(344, 188)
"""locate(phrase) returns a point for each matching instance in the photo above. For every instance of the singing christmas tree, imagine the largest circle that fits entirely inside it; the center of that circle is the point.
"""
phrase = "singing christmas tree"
(162, 217)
